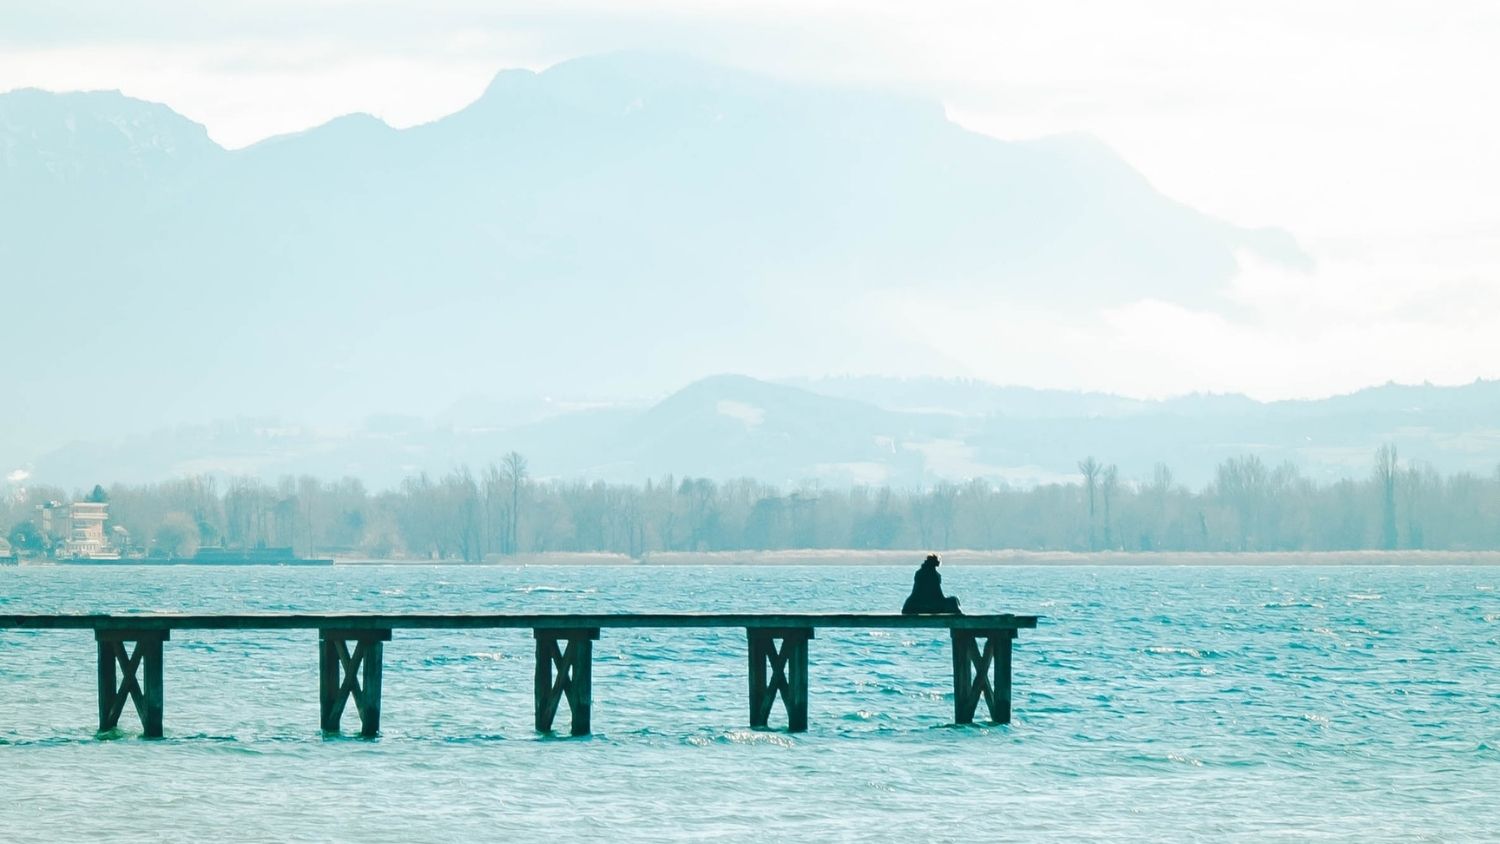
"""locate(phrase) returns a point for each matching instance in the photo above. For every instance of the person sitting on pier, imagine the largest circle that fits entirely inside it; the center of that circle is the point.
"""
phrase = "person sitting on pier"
(927, 591)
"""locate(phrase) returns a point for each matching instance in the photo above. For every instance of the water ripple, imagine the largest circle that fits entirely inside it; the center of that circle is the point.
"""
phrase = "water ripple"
(1238, 704)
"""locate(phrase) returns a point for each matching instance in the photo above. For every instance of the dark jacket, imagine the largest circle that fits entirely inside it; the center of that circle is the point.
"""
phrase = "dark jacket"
(927, 593)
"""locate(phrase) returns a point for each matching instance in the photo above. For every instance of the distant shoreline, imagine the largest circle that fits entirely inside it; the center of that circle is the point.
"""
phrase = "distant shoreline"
(977, 558)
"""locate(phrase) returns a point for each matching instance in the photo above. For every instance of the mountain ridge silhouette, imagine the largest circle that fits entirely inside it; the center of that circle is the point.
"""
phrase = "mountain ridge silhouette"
(617, 224)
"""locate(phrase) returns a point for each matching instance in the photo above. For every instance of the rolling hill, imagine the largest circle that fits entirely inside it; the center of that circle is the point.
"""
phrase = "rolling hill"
(727, 427)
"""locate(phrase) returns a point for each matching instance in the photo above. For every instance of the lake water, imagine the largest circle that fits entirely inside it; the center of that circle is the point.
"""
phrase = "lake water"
(1151, 703)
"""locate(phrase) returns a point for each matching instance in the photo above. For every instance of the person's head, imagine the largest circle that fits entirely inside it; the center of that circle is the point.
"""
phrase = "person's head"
(932, 560)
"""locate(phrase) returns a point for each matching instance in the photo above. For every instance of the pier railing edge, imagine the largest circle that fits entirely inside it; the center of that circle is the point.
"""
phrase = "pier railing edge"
(318, 621)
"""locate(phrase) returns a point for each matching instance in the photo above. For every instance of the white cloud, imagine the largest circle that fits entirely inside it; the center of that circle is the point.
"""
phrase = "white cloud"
(1289, 334)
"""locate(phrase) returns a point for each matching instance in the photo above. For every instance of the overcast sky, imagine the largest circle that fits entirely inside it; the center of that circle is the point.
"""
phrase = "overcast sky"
(1367, 129)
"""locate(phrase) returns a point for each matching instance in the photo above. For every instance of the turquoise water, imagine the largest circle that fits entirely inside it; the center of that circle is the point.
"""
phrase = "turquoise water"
(1152, 703)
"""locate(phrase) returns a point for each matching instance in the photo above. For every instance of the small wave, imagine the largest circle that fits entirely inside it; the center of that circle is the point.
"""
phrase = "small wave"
(1365, 596)
(486, 657)
(1183, 759)
(572, 739)
(560, 590)
(211, 737)
(1163, 649)
(745, 737)
(1292, 605)
(477, 738)
(50, 741)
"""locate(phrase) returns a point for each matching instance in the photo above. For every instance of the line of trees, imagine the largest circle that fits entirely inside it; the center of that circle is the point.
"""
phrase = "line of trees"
(503, 510)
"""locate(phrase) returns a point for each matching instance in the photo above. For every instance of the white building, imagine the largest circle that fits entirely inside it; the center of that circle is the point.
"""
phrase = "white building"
(86, 529)
(82, 529)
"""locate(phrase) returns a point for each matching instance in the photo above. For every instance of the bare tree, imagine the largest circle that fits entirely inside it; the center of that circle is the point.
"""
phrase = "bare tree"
(1090, 469)
(460, 501)
(513, 466)
(496, 514)
(1109, 483)
(1243, 484)
(1386, 472)
(1414, 486)
(1161, 490)
(1248, 506)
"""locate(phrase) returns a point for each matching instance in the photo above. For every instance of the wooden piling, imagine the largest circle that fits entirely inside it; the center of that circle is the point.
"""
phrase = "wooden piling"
(565, 671)
(1000, 703)
(778, 671)
(132, 644)
(118, 683)
(109, 686)
(345, 674)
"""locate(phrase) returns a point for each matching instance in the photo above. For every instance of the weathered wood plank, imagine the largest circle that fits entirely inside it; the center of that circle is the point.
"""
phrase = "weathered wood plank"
(963, 677)
(109, 686)
(151, 704)
(795, 689)
(760, 694)
(580, 689)
(368, 699)
(1000, 705)
(545, 692)
(329, 706)
(353, 626)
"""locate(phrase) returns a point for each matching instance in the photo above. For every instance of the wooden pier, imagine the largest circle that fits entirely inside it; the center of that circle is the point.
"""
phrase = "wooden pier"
(351, 649)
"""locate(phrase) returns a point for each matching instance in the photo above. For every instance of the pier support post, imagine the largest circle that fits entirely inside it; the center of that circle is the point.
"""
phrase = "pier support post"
(974, 665)
(343, 674)
(569, 655)
(117, 677)
(780, 670)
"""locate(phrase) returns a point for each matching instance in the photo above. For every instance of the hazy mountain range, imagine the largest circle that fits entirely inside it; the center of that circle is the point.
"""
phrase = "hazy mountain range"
(616, 225)
(836, 432)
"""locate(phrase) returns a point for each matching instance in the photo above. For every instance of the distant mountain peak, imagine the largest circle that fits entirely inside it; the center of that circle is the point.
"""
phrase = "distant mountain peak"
(612, 225)
(79, 135)
(508, 81)
(344, 129)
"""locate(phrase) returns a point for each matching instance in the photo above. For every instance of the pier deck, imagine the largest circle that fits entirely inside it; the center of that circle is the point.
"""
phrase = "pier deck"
(351, 647)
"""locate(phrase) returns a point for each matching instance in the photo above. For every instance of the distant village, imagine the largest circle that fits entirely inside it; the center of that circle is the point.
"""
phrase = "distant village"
(80, 532)
(81, 525)
(77, 530)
